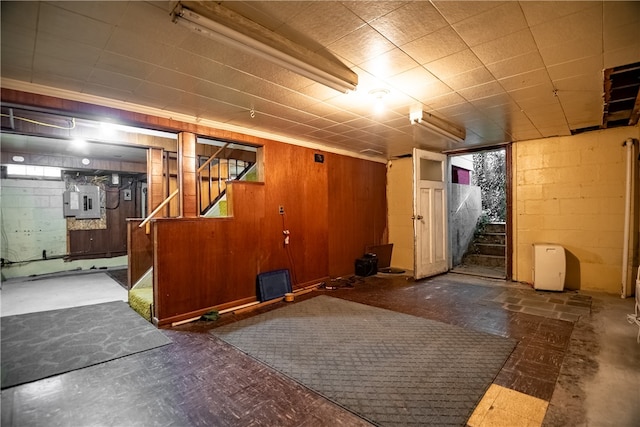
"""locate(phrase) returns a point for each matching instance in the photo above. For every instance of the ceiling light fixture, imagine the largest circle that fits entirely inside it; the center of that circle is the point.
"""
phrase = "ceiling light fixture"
(438, 126)
(379, 93)
(338, 77)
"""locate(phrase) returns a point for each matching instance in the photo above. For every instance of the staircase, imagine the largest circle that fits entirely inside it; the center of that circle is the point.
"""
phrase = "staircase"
(487, 252)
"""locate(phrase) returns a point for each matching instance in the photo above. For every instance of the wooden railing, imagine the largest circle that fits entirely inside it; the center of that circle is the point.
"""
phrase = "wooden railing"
(158, 209)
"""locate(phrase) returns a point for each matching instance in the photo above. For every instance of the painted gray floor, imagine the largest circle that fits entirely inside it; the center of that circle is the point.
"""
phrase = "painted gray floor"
(31, 295)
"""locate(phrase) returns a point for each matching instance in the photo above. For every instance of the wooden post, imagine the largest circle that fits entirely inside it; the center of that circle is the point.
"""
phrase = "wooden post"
(187, 181)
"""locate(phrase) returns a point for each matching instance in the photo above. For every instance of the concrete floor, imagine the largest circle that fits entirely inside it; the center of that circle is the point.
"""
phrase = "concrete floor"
(598, 383)
(57, 291)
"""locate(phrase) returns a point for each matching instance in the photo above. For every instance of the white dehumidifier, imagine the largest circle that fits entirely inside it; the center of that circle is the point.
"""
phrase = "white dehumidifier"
(549, 267)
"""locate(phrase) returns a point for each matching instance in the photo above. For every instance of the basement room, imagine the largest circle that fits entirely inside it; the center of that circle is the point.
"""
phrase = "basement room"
(320, 213)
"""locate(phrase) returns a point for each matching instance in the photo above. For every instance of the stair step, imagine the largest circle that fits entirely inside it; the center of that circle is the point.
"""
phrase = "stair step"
(489, 249)
(141, 300)
(495, 227)
(495, 238)
(485, 260)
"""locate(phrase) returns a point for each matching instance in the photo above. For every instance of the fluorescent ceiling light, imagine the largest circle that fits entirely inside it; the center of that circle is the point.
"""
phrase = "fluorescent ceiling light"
(328, 73)
(438, 126)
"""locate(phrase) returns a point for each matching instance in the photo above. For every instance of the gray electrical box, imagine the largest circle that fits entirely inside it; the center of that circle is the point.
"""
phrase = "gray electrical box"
(82, 202)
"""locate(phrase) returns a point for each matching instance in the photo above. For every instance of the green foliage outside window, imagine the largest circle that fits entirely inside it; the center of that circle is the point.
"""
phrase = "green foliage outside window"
(489, 174)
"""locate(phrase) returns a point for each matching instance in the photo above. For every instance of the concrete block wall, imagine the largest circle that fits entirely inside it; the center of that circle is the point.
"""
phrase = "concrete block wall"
(32, 219)
(465, 207)
(570, 191)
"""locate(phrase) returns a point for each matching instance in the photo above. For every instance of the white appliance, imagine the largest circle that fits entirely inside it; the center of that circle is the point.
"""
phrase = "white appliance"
(549, 267)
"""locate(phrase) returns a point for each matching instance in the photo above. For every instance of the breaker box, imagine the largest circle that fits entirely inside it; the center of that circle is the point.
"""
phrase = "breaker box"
(82, 202)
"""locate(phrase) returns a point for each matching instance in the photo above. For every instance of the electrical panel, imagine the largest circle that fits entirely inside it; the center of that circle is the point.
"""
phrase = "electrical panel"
(82, 202)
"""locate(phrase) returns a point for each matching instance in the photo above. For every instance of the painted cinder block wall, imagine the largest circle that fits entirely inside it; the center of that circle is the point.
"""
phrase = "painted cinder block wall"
(570, 191)
(32, 219)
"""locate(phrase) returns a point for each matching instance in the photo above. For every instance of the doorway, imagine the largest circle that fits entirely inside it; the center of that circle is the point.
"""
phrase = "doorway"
(479, 214)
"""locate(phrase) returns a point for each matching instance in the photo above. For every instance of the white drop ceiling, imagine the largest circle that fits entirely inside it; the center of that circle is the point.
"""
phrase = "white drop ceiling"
(505, 71)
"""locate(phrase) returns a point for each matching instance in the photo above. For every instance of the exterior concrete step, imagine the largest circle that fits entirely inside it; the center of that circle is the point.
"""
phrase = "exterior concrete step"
(489, 249)
(485, 260)
(495, 238)
(495, 227)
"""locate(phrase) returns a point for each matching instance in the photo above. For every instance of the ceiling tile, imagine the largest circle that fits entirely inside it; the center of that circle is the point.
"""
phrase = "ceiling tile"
(481, 91)
(524, 80)
(166, 77)
(576, 68)
(450, 99)
(389, 64)
(56, 22)
(325, 22)
(623, 56)
(282, 11)
(67, 50)
(622, 36)
(420, 84)
(46, 78)
(465, 109)
(142, 18)
(584, 82)
(153, 91)
(516, 65)
(61, 67)
(470, 78)
(361, 45)
(114, 80)
(577, 26)
(104, 11)
(141, 48)
(452, 65)
(370, 10)
(109, 92)
(23, 15)
(150, 61)
(572, 50)
(492, 24)
(242, 101)
(124, 65)
(511, 45)
(456, 11)
(538, 12)
(255, 13)
(16, 49)
(493, 103)
(436, 45)
(534, 96)
(409, 22)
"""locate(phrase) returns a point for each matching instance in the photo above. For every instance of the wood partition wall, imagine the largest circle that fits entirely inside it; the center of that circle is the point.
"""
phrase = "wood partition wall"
(140, 251)
(332, 211)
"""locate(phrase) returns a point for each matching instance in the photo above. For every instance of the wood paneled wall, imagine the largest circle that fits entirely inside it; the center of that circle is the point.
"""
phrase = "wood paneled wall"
(357, 210)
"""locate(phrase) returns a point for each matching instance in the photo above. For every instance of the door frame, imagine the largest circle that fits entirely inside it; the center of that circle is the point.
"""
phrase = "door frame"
(508, 147)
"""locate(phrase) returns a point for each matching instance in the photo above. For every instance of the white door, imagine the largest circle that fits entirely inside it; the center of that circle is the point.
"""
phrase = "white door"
(429, 213)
